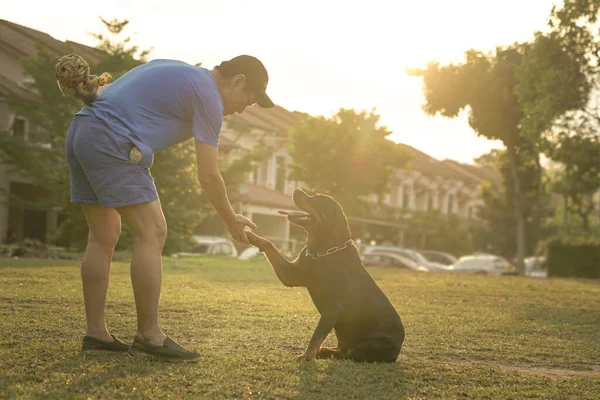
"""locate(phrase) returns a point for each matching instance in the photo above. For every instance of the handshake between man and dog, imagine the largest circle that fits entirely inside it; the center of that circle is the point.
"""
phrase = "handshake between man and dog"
(366, 324)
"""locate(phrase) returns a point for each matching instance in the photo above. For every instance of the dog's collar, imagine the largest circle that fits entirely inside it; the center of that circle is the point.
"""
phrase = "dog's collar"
(329, 251)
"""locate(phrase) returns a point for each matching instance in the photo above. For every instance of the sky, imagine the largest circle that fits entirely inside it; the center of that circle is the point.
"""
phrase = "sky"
(322, 55)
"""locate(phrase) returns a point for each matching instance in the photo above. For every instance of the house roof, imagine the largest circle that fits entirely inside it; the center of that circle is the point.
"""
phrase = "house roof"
(25, 40)
(275, 120)
(22, 42)
(8, 86)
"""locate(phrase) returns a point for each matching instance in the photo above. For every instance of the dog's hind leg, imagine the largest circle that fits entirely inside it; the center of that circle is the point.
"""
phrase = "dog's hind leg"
(379, 348)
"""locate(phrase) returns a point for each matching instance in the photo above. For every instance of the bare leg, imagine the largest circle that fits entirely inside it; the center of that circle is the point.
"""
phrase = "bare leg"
(149, 228)
(104, 230)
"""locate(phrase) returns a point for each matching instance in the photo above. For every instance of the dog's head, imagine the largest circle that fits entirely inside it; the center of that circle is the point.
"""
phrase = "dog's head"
(323, 220)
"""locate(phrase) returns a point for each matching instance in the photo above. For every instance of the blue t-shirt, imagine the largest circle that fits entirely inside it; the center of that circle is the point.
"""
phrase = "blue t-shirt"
(162, 103)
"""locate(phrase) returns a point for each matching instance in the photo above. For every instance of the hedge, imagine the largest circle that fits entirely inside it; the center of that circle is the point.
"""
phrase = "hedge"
(579, 257)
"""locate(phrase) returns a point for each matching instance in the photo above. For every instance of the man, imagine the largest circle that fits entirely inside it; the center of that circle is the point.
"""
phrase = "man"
(109, 149)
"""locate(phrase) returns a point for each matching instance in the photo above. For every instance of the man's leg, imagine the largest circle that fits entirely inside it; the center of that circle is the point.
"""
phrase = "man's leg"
(104, 229)
(147, 222)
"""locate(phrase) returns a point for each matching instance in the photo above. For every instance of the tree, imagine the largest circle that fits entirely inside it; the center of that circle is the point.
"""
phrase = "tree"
(575, 144)
(498, 224)
(513, 96)
(346, 156)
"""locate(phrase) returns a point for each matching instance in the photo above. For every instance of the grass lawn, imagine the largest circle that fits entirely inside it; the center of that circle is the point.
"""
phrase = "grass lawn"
(466, 336)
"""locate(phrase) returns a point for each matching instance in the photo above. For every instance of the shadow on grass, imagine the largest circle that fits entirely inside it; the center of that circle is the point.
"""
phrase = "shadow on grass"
(98, 374)
(330, 379)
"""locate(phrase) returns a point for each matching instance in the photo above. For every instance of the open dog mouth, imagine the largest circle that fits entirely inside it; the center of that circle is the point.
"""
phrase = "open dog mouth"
(296, 216)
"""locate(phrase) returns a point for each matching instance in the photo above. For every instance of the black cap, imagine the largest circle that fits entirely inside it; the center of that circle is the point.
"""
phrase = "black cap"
(256, 75)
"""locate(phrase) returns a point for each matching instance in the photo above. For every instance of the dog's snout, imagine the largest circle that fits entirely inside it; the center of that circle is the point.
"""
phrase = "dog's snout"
(299, 196)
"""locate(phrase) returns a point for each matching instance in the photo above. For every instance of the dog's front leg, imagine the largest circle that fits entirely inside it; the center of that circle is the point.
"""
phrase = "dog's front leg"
(328, 319)
(290, 274)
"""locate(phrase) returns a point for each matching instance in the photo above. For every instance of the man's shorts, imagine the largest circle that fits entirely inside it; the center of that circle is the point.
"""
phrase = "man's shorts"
(100, 168)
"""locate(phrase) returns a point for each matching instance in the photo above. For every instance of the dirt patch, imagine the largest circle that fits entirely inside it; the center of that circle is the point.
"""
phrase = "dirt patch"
(551, 372)
(545, 372)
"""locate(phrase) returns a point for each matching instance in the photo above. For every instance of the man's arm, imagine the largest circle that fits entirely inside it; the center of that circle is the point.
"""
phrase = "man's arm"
(213, 185)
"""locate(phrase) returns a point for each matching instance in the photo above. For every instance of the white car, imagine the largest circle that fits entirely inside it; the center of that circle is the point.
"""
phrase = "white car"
(208, 245)
(439, 257)
(483, 264)
(412, 254)
(249, 253)
(534, 267)
(387, 259)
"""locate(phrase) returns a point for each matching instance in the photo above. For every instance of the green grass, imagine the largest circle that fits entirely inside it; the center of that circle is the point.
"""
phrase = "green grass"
(466, 336)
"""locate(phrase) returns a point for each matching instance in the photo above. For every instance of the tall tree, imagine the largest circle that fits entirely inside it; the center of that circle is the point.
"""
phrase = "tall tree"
(346, 156)
(498, 219)
(512, 95)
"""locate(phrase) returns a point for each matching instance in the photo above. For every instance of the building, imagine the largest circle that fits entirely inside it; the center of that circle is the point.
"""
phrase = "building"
(427, 184)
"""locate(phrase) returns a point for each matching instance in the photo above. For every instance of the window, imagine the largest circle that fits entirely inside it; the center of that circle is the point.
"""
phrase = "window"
(406, 196)
(19, 127)
(280, 173)
(450, 203)
(429, 205)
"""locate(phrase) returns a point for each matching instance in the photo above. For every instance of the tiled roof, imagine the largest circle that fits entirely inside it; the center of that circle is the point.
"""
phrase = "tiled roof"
(8, 86)
(449, 169)
(276, 120)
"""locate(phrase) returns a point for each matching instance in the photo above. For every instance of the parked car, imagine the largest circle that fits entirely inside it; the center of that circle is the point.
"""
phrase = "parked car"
(439, 257)
(483, 264)
(412, 254)
(534, 267)
(208, 245)
(248, 253)
(387, 259)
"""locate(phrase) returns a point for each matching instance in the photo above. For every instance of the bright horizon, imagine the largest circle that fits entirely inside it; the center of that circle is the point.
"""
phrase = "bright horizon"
(321, 55)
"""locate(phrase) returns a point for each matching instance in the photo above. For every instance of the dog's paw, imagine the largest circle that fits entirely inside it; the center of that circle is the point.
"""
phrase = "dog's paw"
(306, 357)
(256, 240)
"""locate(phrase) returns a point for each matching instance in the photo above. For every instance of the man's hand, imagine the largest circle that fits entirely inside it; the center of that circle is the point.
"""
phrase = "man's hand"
(87, 94)
(237, 229)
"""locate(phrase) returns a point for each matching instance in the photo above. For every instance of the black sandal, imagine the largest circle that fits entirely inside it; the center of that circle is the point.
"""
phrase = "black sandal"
(169, 351)
(91, 343)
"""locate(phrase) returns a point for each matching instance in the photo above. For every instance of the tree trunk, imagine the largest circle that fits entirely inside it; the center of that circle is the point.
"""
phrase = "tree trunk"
(518, 209)
(585, 223)
(565, 229)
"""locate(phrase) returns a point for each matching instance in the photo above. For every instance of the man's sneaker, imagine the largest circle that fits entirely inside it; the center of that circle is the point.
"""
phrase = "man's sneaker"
(169, 351)
(91, 343)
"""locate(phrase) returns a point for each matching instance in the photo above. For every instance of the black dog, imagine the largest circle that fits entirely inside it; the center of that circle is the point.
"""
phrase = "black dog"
(366, 324)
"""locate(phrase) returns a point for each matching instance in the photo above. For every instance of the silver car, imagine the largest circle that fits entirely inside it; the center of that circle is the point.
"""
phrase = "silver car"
(412, 254)
(483, 264)
(208, 245)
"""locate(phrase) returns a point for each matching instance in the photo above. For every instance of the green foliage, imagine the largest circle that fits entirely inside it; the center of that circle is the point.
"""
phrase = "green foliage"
(432, 230)
(575, 144)
(550, 83)
(497, 225)
(575, 25)
(359, 159)
(575, 257)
